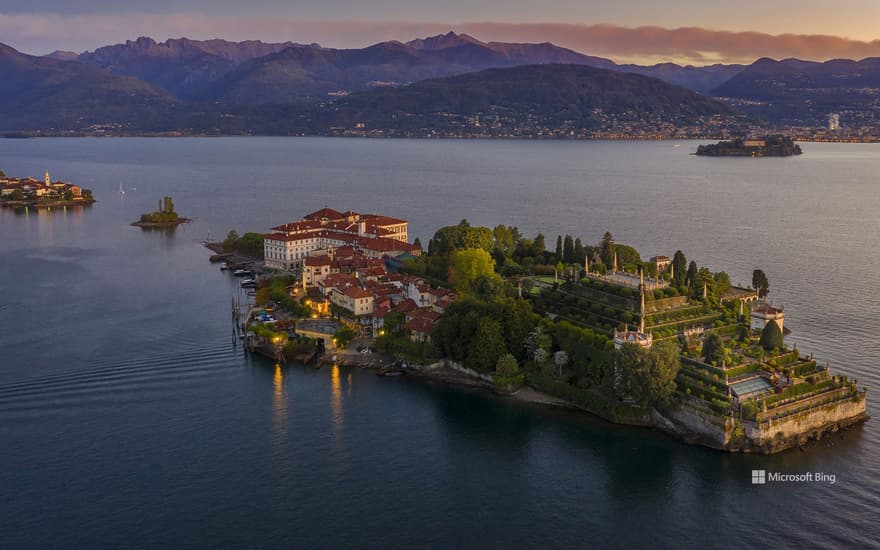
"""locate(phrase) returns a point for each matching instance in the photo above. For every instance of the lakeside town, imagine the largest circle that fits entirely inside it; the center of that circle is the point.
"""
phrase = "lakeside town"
(659, 342)
(45, 193)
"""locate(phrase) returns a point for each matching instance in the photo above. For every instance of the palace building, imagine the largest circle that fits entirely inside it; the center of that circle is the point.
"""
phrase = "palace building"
(373, 235)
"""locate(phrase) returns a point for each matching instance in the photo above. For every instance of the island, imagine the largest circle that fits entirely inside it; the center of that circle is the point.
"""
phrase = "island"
(33, 193)
(769, 146)
(165, 216)
(661, 343)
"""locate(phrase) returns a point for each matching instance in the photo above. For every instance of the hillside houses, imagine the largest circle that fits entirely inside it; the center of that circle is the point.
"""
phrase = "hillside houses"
(30, 189)
(343, 260)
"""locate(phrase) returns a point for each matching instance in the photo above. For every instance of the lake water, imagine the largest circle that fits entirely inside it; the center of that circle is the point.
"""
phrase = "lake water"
(128, 417)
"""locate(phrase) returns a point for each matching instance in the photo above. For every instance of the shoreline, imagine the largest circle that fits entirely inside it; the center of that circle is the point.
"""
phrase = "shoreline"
(46, 204)
(161, 225)
(803, 139)
(674, 423)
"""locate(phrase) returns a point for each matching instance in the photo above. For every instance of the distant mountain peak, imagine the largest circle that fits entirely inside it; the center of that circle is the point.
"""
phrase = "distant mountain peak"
(63, 55)
(443, 41)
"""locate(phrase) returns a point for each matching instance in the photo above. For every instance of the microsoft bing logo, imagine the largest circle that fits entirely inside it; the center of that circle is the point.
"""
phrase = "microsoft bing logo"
(759, 477)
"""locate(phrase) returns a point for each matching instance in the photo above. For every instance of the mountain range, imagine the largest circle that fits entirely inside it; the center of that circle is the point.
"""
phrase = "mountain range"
(191, 81)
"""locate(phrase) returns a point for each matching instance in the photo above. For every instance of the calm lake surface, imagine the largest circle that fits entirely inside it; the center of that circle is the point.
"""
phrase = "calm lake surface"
(129, 418)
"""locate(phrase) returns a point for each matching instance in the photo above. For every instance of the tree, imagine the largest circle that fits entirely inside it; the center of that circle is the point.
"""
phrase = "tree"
(560, 359)
(507, 372)
(722, 283)
(457, 237)
(568, 250)
(231, 240)
(679, 268)
(343, 336)
(691, 277)
(487, 345)
(606, 249)
(705, 279)
(17, 194)
(417, 243)
(505, 240)
(2, 174)
(771, 337)
(760, 283)
(393, 323)
(580, 253)
(559, 251)
(540, 356)
(649, 375)
(713, 349)
(467, 266)
(539, 247)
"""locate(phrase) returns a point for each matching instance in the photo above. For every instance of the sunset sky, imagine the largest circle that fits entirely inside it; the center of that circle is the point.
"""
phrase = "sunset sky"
(643, 31)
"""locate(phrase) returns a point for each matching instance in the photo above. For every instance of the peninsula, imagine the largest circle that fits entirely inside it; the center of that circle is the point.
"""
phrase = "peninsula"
(29, 192)
(661, 342)
(769, 146)
(165, 216)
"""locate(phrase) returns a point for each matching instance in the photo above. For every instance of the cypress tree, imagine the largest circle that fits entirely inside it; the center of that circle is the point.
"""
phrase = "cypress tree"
(580, 253)
(679, 269)
(568, 250)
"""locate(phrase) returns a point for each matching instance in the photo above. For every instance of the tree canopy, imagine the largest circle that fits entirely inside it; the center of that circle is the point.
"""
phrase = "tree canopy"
(679, 268)
(760, 283)
(648, 375)
(713, 349)
(771, 336)
(467, 266)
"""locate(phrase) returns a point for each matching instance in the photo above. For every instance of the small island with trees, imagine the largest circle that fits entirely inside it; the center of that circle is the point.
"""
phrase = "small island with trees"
(166, 216)
(769, 146)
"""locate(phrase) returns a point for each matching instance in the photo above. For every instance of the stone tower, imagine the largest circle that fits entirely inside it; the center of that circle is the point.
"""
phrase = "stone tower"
(48, 179)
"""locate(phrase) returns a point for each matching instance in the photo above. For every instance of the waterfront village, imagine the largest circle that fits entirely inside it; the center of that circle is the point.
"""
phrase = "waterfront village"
(661, 342)
(45, 193)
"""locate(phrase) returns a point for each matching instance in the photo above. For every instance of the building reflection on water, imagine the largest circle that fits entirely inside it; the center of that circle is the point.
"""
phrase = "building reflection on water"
(336, 396)
(279, 406)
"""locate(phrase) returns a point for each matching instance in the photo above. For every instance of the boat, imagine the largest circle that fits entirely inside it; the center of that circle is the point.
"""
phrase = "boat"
(249, 283)
(242, 272)
(223, 267)
(121, 190)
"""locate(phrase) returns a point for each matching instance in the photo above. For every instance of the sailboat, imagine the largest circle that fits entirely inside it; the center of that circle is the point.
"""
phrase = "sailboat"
(121, 190)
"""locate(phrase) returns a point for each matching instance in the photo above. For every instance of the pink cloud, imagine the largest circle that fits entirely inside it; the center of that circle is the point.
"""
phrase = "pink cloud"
(41, 33)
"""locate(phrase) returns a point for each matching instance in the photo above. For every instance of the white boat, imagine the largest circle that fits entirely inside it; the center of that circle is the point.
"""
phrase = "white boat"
(242, 272)
(121, 190)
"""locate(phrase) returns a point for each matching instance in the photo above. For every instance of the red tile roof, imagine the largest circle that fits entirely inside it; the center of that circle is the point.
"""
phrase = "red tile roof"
(420, 325)
(357, 292)
(327, 213)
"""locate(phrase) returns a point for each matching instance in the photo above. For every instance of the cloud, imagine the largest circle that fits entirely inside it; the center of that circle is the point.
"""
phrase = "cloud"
(694, 44)
(41, 33)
